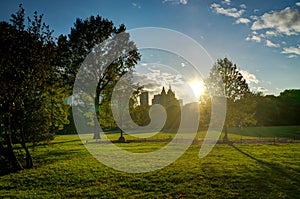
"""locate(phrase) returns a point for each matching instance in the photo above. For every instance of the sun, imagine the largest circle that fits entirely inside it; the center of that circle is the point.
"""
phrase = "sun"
(197, 87)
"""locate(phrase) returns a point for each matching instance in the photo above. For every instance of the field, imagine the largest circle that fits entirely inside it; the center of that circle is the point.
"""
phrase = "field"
(64, 168)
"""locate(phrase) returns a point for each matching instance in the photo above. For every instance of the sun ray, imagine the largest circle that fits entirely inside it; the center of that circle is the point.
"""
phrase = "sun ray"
(197, 87)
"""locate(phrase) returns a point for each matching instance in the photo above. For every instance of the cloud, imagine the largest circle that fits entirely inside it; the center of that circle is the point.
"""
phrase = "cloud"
(256, 10)
(230, 12)
(286, 21)
(183, 2)
(253, 17)
(227, 2)
(262, 89)
(242, 21)
(291, 50)
(154, 78)
(249, 77)
(292, 56)
(243, 6)
(254, 37)
(271, 44)
(298, 4)
(271, 33)
(135, 5)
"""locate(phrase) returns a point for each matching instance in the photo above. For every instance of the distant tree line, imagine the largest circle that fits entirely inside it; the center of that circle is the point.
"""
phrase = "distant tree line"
(246, 108)
(278, 110)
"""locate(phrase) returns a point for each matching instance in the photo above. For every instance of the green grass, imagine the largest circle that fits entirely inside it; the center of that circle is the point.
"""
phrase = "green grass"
(66, 169)
(265, 132)
(289, 132)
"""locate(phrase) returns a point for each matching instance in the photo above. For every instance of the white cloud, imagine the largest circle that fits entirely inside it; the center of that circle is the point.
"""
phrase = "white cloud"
(227, 2)
(291, 50)
(243, 6)
(253, 38)
(292, 56)
(184, 2)
(286, 21)
(270, 33)
(262, 89)
(242, 20)
(253, 17)
(298, 4)
(271, 44)
(230, 12)
(135, 5)
(249, 77)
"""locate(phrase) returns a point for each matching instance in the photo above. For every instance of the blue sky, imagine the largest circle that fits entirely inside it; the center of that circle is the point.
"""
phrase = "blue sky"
(261, 37)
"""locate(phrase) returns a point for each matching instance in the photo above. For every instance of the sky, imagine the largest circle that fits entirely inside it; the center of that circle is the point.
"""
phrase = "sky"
(260, 37)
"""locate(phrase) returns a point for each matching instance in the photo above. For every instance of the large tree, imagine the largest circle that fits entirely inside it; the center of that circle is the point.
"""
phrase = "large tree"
(86, 39)
(225, 78)
(31, 94)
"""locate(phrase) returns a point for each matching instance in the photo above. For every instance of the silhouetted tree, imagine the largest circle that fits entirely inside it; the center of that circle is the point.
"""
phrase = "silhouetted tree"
(225, 77)
(267, 110)
(31, 95)
(84, 39)
(289, 104)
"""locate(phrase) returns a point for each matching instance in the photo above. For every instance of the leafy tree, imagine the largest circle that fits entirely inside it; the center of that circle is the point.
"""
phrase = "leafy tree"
(31, 96)
(289, 103)
(85, 39)
(225, 78)
(267, 111)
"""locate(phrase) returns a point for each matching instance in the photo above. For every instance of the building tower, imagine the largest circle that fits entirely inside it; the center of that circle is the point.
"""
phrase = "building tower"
(144, 99)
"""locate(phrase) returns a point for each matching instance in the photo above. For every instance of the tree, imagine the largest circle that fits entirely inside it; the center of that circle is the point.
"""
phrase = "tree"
(85, 39)
(32, 105)
(289, 103)
(225, 77)
(267, 110)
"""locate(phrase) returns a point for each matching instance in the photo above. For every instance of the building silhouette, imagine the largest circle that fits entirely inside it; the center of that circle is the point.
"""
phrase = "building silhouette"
(166, 99)
(172, 107)
(144, 99)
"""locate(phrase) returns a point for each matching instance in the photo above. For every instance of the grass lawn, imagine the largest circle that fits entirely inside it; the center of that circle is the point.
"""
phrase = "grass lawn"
(66, 169)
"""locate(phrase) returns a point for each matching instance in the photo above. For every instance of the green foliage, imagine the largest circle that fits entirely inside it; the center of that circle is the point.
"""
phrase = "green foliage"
(289, 103)
(226, 80)
(278, 110)
(31, 93)
(225, 77)
(98, 39)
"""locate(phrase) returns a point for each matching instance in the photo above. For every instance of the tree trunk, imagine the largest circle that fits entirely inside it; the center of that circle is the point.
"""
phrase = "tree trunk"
(29, 162)
(98, 90)
(9, 154)
(225, 138)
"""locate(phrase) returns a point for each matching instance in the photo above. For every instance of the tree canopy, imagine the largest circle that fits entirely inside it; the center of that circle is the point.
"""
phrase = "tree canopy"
(32, 95)
(225, 77)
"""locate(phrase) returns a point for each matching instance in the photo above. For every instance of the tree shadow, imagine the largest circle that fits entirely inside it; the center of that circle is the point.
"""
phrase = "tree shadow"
(273, 166)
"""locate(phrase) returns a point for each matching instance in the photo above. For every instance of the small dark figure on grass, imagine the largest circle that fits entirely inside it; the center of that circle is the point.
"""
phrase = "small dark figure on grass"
(122, 138)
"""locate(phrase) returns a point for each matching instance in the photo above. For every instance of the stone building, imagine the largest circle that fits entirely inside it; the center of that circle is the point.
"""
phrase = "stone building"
(172, 107)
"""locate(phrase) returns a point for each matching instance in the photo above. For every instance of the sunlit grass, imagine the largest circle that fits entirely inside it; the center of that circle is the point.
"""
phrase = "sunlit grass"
(66, 169)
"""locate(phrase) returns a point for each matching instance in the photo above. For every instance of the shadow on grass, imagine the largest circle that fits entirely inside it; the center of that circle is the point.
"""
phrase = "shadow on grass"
(273, 166)
(45, 158)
